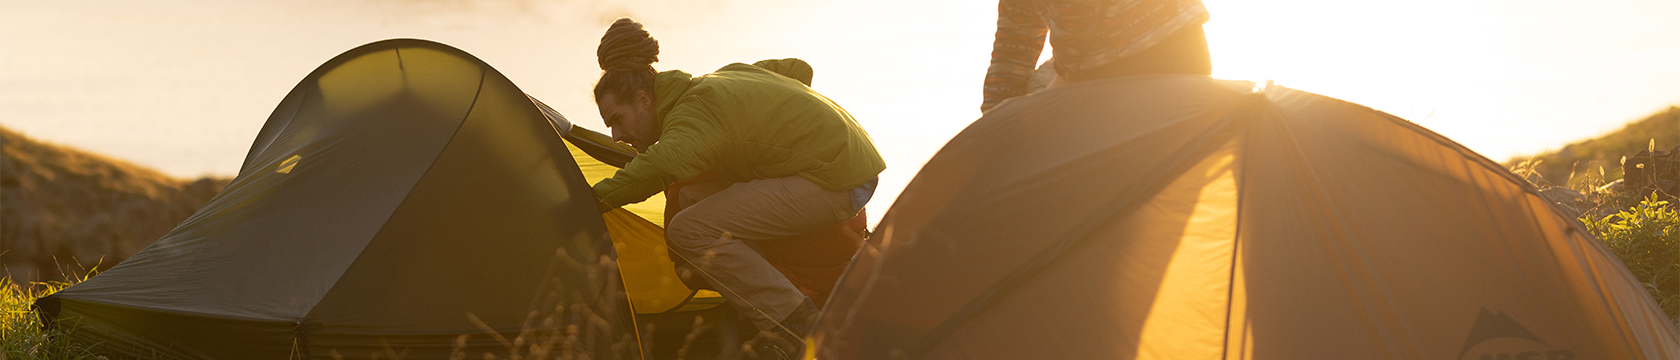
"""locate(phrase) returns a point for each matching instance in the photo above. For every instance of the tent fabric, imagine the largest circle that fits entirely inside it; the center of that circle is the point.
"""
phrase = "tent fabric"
(599, 157)
(650, 276)
(404, 200)
(1176, 216)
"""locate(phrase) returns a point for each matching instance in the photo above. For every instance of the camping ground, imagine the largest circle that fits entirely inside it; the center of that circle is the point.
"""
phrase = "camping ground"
(66, 190)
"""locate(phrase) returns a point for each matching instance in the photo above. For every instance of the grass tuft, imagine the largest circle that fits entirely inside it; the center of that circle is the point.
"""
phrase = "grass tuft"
(1602, 155)
(21, 333)
(1647, 239)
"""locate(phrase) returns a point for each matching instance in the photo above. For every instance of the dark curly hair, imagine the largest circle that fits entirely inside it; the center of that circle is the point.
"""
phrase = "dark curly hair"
(626, 54)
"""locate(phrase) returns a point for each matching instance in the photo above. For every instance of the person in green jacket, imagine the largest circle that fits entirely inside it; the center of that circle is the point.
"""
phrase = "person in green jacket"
(798, 163)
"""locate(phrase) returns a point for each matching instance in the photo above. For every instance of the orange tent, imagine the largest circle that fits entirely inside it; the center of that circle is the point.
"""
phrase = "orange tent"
(1180, 217)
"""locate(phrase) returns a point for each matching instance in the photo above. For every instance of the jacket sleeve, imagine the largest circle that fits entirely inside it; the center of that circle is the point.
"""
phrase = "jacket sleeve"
(685, 149)
(1020, 40)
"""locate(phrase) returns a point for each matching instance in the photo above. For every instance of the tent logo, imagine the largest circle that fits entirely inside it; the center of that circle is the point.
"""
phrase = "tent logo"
(286, 166)
(1496, 336)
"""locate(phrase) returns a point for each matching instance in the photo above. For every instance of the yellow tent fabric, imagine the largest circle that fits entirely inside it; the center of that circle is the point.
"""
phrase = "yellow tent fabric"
(593, 156)
(649, 276)
(1180, 217)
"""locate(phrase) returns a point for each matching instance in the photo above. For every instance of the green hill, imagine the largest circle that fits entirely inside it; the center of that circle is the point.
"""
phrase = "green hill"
(66, 209)
(1582, 160)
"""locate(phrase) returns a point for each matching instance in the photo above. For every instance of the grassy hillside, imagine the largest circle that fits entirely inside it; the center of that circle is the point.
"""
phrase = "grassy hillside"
(67, 209)
(1584, 158)
(1640, 230)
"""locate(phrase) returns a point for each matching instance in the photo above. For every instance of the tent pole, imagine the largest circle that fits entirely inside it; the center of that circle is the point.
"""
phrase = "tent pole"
(738, 295)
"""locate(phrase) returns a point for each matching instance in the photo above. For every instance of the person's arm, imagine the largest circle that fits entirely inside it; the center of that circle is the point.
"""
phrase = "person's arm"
(1020, 40)
(685, 149)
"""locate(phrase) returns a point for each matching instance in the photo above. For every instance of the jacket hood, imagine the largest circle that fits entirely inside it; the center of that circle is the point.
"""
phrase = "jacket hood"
(668, 87)
(790, 67)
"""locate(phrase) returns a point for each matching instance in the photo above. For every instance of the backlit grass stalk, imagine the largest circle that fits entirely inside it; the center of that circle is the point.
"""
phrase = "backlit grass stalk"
(21, 334)
(568, 329)
(1647, 239)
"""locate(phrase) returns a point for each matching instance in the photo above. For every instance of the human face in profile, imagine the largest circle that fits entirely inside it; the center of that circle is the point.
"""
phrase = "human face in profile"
(631, 120)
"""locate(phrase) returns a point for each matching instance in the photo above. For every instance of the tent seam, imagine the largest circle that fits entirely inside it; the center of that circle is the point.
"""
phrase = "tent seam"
(1055, 250)
(1489, 165)
(480, 91)
(1341, 220)
(1236, 236)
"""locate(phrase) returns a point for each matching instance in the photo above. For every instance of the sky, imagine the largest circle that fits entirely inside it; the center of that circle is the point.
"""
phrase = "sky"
(184, 85)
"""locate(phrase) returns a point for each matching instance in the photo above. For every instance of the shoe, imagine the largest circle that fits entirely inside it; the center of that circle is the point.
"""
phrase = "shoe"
(779, 344)
(771, 345)
(802, 318)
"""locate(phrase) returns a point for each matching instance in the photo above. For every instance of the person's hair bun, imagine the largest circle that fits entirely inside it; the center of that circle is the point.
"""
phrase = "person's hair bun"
(626, 46)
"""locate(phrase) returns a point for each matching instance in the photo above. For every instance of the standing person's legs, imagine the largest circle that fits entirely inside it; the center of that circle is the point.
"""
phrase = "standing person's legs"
(767, 209)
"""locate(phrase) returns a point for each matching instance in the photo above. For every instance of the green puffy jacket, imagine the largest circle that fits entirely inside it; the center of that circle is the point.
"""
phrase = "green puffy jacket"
(746, 122)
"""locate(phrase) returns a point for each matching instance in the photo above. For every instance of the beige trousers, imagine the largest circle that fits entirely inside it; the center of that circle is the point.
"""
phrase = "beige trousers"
(758, 210)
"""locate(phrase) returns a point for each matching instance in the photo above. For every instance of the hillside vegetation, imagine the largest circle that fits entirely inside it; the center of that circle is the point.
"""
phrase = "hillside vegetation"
(63, 210)
(1577, 165)
(1639, 226)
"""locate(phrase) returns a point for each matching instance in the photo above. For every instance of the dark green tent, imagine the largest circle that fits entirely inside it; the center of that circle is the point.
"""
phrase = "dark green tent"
(405, 200)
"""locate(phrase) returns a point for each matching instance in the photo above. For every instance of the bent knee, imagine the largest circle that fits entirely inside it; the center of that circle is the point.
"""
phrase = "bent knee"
(687, 233)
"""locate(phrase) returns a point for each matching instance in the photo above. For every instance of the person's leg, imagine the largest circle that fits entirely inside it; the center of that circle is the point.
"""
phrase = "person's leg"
(767, 209)
(693, 193)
